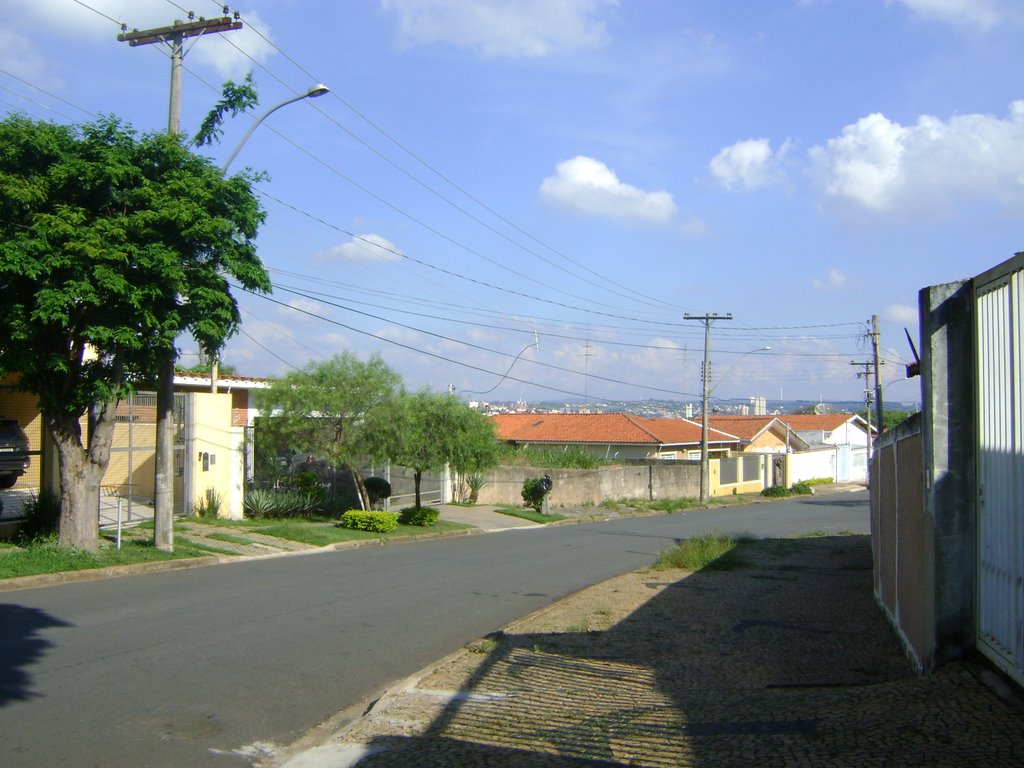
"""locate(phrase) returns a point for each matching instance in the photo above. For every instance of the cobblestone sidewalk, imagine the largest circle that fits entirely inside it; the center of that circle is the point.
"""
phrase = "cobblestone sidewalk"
(784, 661)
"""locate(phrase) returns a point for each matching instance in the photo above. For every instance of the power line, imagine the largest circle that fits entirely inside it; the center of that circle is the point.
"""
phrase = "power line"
(450, 272)
(450, 182)
(443, 338)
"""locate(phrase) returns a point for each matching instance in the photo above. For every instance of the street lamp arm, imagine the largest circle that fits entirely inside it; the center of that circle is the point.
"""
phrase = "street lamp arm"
(317, 90)
(535, 344)
(734, 364)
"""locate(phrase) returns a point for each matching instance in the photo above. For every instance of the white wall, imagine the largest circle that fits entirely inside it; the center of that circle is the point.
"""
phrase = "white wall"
(811, 464)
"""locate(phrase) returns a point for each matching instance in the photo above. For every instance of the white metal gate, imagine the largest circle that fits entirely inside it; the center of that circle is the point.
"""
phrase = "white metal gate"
(999, 299)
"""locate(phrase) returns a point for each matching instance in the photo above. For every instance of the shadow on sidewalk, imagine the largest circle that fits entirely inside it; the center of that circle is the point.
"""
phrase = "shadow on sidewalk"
(784, 660)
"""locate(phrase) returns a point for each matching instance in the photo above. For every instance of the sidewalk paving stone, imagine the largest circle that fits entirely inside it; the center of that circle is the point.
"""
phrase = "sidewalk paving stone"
(784, 661)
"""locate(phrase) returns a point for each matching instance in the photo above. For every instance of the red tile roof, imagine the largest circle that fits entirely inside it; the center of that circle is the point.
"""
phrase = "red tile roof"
(609, 428)
(746, 428)
(809, 422)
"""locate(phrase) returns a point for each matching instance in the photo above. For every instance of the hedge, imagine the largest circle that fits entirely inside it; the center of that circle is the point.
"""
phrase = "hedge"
(371, 520)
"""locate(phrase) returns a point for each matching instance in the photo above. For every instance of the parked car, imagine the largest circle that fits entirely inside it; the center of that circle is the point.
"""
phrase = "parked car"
(14, 457)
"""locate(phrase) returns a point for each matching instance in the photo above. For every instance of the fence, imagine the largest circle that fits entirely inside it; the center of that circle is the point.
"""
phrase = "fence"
(898, 528)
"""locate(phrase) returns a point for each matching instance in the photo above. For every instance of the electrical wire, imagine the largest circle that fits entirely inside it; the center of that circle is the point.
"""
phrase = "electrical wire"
(449, 181)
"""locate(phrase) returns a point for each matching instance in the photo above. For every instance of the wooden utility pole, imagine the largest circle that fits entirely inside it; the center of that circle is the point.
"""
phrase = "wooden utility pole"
(163, 494)
(879, 410)
(705, 476)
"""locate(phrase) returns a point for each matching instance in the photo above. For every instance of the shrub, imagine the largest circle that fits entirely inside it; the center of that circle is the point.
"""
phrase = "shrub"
(42, 514)
(424, 516)
(308, 483)
(802, 488)
(377, 488)
(378, 522)
(336, 504)
(534, 491)
(776, 491)
(475, 482)
(210, 506)
(573, 458)
(260, 503)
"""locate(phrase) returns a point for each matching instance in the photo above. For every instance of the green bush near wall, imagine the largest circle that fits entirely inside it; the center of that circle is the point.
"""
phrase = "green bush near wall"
(369, 520)
(423, 516)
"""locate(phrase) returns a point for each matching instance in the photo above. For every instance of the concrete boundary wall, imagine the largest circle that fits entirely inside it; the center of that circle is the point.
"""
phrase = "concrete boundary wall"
(584, 487)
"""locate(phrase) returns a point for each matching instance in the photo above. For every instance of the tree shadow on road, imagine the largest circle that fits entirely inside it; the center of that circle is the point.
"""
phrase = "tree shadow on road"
(21, 645)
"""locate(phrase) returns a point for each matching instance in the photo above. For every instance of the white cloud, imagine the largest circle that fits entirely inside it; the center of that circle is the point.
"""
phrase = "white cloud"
(901, 313)
(750, 163)
(660, 356)
(499, 28)
(306, 307)
(694, 227)
(226, 55)
(832, 282)
(590, 187)
(20, 57)
(881, 165)
(362, 248)
(982, 14)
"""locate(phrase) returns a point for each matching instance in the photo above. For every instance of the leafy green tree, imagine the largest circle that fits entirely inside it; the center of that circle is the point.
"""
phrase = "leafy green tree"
(426, 430)
(203, 369)
(330, 408)
(111, 245)
(889, 418)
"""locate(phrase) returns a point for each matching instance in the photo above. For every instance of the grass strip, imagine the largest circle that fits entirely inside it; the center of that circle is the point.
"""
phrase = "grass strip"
(710, 552)
(525, 513)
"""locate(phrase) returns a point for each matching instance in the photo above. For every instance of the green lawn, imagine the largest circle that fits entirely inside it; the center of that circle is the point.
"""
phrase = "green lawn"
(321, 532)
(47, 557)
(527, 513)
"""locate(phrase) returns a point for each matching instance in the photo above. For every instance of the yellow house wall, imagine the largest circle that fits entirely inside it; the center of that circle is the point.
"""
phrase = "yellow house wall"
(214, 436)
(717, 489)
(766, 442)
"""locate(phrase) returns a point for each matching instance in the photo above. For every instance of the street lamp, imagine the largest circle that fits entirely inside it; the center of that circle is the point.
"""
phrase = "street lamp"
(317, 90)
(705, 478)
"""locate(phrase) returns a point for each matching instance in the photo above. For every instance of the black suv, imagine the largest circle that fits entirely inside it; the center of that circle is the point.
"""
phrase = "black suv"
(13, 452)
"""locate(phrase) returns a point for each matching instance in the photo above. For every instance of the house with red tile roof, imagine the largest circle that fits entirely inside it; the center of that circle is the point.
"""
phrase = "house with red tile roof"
(842, 436)
(829, 428)
(613, 435)
(760, 434)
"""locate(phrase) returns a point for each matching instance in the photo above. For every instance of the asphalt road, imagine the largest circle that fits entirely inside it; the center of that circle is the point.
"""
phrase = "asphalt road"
(200, 667)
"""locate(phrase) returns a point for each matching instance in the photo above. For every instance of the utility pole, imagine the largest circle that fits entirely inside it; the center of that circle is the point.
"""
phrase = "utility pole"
(879, 410)
(705, 478)
(163, 493)
(866, 375)
(586, 375)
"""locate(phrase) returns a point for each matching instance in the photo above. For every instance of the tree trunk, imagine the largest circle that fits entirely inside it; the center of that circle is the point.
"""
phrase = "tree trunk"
(81, 471)
(417, 476)
(364, 495)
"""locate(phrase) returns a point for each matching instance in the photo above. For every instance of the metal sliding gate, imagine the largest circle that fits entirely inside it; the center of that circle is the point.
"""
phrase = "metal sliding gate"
(127, 489)
(999, 301)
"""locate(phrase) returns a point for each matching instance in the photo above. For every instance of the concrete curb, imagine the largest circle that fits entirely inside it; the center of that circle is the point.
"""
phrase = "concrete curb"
(116, 571)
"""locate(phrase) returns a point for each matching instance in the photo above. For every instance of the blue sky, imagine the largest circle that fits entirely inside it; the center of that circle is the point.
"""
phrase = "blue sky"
(588, 171)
